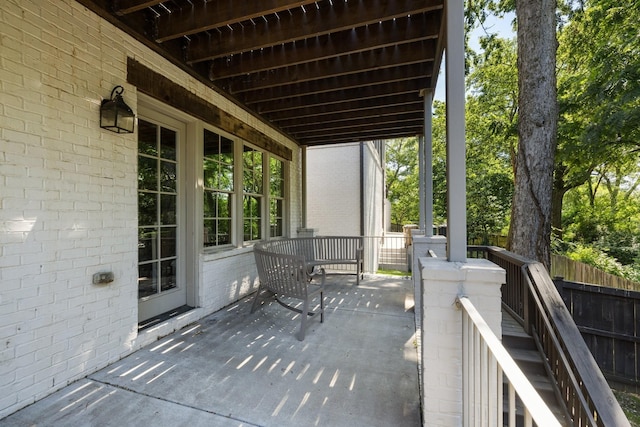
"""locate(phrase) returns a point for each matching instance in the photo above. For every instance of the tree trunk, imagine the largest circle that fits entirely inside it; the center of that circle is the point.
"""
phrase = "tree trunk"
(557, 196)
(530, 230)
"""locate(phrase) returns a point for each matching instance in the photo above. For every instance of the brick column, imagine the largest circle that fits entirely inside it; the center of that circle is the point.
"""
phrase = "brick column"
(421, 245)
(441, 329)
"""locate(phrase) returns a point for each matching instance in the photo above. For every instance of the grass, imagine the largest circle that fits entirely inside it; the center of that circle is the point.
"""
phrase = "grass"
(394, 273)
(630, 404)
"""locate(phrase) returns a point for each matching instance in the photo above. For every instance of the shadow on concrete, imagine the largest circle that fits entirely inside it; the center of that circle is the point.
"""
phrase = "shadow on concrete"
(233, 368)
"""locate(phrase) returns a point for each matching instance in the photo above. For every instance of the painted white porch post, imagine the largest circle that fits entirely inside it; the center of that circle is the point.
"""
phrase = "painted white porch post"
(421, 183)
(456, 168)
(423, 243)
(428, 164)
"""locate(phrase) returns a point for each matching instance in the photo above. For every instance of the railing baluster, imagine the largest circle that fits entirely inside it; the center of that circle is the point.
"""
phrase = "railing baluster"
(484, 381)
(512, 406)
(500, 406)
(474, 377)
(485, 347)
(527, 418)
(492, 391)
(466, 395)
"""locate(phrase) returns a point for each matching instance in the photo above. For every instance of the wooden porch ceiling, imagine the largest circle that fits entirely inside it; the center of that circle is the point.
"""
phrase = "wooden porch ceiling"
(324, 71)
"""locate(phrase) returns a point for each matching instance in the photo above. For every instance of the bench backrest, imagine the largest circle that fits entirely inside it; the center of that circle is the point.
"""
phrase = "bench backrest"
(281, 273)
(317, 248)
(337, 247)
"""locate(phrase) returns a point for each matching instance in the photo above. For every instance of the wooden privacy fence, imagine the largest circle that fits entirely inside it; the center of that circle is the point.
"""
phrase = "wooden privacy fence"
(575, 271)
(609, 321)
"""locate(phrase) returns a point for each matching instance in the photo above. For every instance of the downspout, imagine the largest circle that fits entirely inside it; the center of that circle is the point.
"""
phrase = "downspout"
(303, 211)
(362, 188)
(383, 166)
(422, 193)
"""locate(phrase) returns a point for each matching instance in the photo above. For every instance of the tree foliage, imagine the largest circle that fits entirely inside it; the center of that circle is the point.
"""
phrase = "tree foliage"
(402, 180)
(596, 174)
(598, 93)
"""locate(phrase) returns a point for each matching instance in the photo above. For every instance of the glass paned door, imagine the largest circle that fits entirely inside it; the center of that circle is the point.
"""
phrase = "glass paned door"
(160, 286)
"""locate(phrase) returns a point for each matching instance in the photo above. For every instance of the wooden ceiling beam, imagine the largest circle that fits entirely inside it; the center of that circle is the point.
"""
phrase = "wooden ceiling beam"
(357, 126)
(388, 33)
(292, 124)
(405, 54)
(371, 128)
(340, 83)
(333, 71)
(207, 16)
(382, 134)
(134, 6)
(345, 107)
(337, 97)
(300, 25)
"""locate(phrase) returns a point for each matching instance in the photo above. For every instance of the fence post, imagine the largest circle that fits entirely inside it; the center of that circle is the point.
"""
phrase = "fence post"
(559, 282)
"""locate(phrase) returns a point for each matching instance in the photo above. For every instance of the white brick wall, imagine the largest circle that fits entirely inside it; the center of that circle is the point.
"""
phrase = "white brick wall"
(68, 201)
(441, 329)
(227, 277)
(333, 190)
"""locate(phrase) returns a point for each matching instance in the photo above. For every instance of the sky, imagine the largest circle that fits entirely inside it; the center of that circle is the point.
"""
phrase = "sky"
(501, 26)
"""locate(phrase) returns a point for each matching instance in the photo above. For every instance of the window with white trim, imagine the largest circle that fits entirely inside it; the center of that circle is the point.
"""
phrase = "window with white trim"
(218, 173)
(253, 193)
(276, 197)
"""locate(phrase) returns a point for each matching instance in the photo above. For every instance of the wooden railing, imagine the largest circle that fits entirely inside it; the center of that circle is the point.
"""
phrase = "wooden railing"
(532, 298)
(485, 362)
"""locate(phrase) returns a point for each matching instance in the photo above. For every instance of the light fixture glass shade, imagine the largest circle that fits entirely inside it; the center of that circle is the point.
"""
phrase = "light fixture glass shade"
(115, 115)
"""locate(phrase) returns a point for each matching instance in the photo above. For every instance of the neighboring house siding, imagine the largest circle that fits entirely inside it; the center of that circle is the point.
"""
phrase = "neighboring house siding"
(68, 209)
(333, 190)
(374, 192)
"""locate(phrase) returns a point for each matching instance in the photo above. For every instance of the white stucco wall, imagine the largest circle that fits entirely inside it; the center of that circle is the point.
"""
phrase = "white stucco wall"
(69, 201)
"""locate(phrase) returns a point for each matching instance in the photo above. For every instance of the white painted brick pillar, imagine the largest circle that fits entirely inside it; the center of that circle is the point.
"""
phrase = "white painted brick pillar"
(421, 245)
(442, 281)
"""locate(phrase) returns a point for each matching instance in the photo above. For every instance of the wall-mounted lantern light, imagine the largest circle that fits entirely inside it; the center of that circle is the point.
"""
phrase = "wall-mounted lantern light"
(115, 115)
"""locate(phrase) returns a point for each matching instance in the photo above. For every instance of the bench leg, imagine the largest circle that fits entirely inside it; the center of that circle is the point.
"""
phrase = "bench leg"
(254, 306)
(306, 314)
(303, 321)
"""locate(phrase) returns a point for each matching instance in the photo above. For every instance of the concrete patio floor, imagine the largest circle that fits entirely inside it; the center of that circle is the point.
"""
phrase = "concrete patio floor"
(233, 368)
